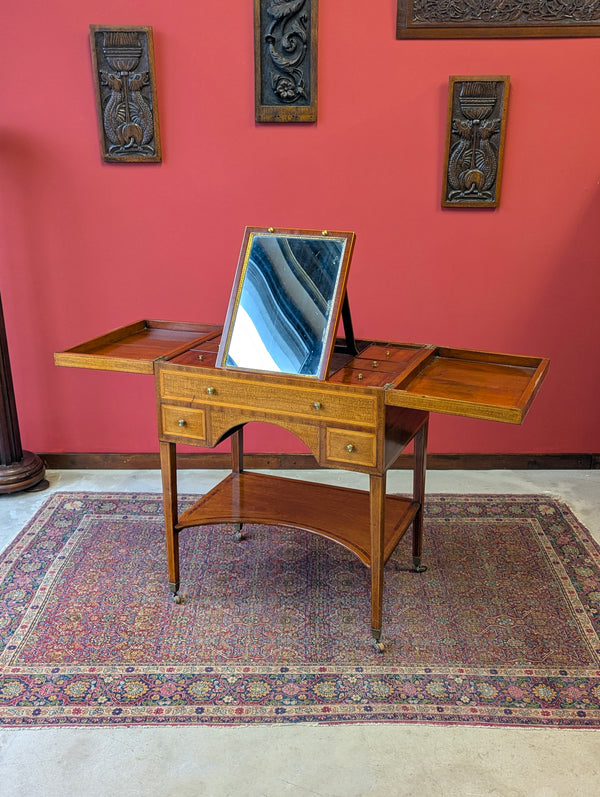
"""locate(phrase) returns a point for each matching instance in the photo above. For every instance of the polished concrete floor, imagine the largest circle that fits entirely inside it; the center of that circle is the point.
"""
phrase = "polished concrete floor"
(269, 761)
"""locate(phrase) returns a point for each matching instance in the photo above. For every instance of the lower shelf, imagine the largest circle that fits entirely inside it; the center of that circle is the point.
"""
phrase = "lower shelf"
(338, 513)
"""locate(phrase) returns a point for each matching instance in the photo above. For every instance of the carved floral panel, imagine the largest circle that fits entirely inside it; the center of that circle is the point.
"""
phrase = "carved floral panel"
(475, 134)
(125, 84)
(285, 56)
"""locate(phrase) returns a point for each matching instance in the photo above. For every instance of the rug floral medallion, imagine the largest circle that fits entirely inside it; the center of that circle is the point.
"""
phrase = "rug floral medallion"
(502, 629)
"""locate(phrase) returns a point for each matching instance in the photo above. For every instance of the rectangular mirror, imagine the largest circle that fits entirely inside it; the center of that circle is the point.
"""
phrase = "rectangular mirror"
(286, 301)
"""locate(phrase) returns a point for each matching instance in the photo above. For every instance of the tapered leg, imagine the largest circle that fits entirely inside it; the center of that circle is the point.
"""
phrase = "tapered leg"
(377, 504)
(168, 468)
(420, 471)
(237, 466)
(237, 450)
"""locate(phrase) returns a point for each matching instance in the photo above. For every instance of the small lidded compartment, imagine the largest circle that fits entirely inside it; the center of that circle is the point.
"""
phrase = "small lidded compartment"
(204, 355)
(379, 364)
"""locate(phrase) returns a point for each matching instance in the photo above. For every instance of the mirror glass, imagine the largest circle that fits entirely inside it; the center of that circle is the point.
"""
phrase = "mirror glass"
(286, 301)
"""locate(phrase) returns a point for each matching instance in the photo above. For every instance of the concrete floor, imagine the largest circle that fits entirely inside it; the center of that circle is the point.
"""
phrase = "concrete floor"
(269, 761)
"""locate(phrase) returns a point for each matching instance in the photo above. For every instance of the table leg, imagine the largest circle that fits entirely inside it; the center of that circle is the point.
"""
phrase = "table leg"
(237, 466)
(168, 468)
(419, 474)
(237, 450)
(377, 520)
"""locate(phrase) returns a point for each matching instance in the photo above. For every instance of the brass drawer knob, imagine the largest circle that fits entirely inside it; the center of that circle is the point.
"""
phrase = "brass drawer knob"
(181, 422)
(210, 391)
(317, 405)
(349, 448)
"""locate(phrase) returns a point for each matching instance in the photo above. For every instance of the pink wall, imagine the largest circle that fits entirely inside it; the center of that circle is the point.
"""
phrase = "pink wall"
(86, 246)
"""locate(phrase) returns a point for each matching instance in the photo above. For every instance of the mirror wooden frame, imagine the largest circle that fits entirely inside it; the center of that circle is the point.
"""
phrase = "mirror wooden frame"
(335, 305)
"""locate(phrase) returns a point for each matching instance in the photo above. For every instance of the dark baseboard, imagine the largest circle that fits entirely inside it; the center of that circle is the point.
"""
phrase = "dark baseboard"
(307, 461)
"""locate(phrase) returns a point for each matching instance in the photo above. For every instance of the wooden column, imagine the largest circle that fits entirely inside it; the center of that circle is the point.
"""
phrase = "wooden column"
(19, 470)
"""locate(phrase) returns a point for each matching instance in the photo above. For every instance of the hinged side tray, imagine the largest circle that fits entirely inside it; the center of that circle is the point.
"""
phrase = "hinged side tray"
(472, 384)
(134, 348)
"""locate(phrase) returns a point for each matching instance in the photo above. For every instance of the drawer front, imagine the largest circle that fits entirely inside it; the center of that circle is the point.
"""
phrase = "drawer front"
(322, 404)
(351, 447)
(183, 422)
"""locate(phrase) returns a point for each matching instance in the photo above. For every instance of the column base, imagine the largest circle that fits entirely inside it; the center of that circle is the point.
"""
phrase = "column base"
(27, 474)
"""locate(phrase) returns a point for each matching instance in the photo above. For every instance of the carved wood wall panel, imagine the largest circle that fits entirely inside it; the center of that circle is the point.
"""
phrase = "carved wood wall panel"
(475, 134)
(285, 58)
(440, 19)
(125, 85)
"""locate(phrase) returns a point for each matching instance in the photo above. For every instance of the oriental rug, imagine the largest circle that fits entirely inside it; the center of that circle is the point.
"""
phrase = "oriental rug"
(502, 629)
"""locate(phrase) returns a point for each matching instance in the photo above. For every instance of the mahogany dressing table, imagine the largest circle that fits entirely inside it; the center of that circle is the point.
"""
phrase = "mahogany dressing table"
(367, 402)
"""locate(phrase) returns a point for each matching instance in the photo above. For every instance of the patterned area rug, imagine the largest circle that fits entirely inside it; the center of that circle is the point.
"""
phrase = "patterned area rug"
(502, 629)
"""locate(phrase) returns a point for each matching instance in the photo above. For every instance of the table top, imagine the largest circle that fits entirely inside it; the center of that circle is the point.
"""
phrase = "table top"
(464, 382)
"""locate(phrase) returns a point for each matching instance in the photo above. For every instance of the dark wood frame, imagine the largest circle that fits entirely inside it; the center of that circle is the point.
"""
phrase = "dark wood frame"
(336, 302)
(19, 470)
(408, 28)
(456, 118)
(284, 111)
(141, 72)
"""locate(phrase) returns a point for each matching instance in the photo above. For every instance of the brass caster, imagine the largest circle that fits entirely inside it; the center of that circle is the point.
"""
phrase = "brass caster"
(177, 599)
(376, 640)
(417, 566)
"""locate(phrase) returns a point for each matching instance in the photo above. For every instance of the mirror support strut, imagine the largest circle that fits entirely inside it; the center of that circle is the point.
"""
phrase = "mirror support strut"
(350, 343)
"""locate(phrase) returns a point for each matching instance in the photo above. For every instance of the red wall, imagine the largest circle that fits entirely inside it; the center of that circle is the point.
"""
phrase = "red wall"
(86, 246)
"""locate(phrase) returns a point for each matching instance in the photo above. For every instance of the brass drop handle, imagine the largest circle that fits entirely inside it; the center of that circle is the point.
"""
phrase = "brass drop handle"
(349, 448)
(210, 391)
(181, 422)
(317, 405)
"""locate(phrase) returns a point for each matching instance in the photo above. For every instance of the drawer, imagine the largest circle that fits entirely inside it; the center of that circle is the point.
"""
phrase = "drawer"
(322, 403)
(183, 422)
(380, 353)
(351, 447)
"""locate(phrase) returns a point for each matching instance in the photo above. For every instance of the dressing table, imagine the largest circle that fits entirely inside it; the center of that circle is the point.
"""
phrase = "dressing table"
(356, 404)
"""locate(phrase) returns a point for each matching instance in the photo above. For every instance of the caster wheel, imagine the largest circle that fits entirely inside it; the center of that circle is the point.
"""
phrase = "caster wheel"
(238, 534)
(379, 646)
(177, 599)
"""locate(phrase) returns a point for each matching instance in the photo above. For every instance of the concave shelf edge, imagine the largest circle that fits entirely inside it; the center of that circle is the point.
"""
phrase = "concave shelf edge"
(337, 513)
